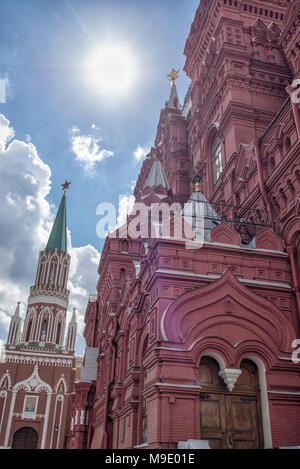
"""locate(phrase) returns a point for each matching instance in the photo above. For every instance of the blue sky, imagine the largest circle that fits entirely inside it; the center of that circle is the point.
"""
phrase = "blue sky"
(49, 101)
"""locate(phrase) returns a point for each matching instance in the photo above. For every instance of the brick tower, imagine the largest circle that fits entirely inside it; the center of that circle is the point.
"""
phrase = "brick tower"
(37, 370)
(195, 345)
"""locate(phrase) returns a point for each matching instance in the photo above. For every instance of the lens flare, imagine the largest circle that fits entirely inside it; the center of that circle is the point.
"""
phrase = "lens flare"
(111, 69)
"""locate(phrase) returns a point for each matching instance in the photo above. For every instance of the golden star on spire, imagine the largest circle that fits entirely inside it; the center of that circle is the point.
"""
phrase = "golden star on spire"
(65, 186)
(173, 75)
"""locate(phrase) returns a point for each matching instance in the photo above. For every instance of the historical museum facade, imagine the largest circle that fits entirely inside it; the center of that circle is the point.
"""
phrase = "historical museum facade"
(196, 346)
(37, 371)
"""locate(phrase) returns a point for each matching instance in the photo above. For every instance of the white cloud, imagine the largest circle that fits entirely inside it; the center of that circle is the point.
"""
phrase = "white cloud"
(75, 129)
(6, 132)
(140, 152)
(26, 219)
(88, 151)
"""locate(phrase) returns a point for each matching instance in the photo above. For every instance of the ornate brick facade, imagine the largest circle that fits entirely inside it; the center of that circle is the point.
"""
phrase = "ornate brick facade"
(197, 344)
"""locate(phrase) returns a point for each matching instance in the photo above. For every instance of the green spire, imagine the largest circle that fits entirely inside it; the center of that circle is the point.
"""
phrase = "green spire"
(58, 235)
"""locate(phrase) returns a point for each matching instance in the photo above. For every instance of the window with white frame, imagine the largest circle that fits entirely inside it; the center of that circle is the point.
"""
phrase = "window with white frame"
(30, 404)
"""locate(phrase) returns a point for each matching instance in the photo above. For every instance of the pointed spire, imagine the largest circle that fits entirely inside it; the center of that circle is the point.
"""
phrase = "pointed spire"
(17, 311)
(157, 176)
(173, 101)
(58, 236)
(15, 327)
(74, 315)
(199, 206)
(72, 331)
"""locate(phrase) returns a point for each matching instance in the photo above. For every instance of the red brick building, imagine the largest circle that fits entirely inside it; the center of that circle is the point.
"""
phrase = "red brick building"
(187, 346)
(36, 369)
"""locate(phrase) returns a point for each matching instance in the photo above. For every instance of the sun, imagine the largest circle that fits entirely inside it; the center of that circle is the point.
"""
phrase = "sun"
(112, 69)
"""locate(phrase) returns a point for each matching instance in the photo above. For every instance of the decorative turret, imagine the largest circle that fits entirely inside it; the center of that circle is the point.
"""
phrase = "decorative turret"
(15, 327)
(72, 331)
(157, 176)
(200, 213)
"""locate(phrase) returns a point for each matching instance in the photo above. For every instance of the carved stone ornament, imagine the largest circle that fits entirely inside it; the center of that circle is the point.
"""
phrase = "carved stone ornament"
(230, 375)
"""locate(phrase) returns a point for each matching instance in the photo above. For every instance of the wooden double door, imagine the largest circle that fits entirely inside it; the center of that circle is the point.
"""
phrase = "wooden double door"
(230, 420)
(25, 438)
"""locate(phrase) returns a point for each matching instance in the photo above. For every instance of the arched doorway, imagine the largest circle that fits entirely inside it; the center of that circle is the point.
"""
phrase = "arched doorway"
(230, 420)
(25, 438)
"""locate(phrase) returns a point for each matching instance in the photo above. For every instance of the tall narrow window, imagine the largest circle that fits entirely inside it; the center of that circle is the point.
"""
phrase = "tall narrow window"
(144, 412)
(28, 331)
(63, 277)
(217, 159)
(44, 331)
(144, 422)
(52, 273)
(58, 333)
(41, 274)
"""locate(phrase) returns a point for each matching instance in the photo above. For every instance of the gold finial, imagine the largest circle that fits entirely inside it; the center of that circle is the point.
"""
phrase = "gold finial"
(196, 181)
(65, 186)
(173, 75)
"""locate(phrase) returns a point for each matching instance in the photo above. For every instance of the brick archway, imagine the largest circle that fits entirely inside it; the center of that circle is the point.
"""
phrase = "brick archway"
(25, 438)
(230, 419)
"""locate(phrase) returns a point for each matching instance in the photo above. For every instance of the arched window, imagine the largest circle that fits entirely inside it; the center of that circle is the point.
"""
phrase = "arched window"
(28, 331)
(44, 331)
(216, 159)
(52, 273)
(42, 270)
(58, 331)
(63, 276)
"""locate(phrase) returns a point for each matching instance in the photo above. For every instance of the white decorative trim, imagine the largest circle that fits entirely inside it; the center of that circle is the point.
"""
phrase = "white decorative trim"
(45, 427)
(232, 246)
(193, 386)
(230, 376)
(10, 416)
(215, 277)
(38, 360)
(3, 394)
(162, 327)
(59, 398)
(266, 421)
(285, 392)
(26, 415)
(34, 383)
(5, 375)
(261, 282)
(82, 417)
(59, 381)
(49, 299)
